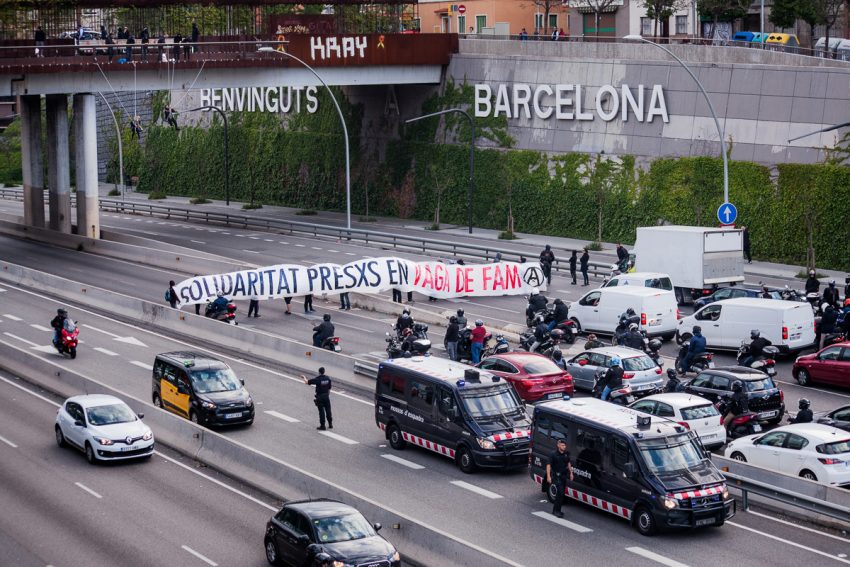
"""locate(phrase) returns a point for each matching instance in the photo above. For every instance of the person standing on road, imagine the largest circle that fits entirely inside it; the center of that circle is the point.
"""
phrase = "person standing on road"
(396, 295)
(344, 301)
(812, 283)
(288, 301)
(452, 336)
(557, 470)
(254, 307)
(573, 260)
(171, 295)
(323, 397)
(308, 303)
(585, 259)
(547, 258)
(746, 237)
(478, 334)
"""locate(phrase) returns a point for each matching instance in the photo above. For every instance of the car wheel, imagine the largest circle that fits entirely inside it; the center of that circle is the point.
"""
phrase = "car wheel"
(645, 521)
(156, 401)
(803, 377)
(808, 475)
(60, 437)
(271, 552)
(465, 462)
(552, 493)
(397, 441)
(90, 456)
(193, 417)
(577, 324)
(736, 456)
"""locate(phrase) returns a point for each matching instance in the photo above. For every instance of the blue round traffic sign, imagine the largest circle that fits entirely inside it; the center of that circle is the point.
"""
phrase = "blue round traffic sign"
(727, 213)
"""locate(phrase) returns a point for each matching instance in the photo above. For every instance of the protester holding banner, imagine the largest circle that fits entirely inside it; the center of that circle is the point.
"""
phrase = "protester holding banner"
(308, 303)
(344, 301)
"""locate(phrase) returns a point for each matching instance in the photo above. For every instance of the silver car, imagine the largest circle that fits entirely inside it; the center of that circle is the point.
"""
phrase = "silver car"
(640, 370)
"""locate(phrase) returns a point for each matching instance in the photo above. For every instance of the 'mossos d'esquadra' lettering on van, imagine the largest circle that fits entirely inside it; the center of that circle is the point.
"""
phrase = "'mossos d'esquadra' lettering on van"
(407, 413)
(262, 99)
(581, 472)
(566, 102)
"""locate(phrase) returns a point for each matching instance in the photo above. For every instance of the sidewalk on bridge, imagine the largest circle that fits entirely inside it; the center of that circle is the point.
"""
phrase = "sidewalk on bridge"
(756, 270)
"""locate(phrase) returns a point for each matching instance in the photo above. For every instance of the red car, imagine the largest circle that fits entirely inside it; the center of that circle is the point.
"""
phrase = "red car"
(534, 376)
(829, 366)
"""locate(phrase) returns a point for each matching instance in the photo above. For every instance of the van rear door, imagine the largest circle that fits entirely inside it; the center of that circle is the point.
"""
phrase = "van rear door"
(800, 323)
(660, 312)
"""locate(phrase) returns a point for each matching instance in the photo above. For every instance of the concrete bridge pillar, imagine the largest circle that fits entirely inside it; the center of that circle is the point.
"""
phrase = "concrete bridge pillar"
(32, 160)
(85, 160)
(58, 164)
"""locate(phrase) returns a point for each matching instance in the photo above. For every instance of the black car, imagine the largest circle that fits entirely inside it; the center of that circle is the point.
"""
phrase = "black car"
(764, 396)
(729, 293)
(839, 418)
(303, 529)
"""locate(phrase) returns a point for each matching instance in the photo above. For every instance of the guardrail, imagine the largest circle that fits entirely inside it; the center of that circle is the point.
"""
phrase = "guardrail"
(383, 239)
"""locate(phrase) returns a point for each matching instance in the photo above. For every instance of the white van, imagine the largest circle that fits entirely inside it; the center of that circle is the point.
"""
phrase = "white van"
(655, 280)
(789, 325)
(599, 310)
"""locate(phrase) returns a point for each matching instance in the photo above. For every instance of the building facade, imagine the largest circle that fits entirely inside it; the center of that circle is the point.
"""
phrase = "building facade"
(493, 17)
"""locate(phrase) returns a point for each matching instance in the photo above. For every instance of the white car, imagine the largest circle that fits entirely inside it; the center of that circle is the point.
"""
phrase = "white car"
(104, 428)
(694, 412)
(811, 450)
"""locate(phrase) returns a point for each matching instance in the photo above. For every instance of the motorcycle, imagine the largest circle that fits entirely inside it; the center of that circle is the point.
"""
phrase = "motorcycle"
(833, 339)
(621, 396)
(814, 300)
(618, 269)
(743, 425)
(763, 363)
(68, 339)
(673, 384)
(227, 315)
(699, 363)
(569, 329)
(789, 294)
(331, 343)
(533, 318)
(652, 350)
(552, 342)
(464, 344)
(415, 341)
(622, 328)
(501, 346)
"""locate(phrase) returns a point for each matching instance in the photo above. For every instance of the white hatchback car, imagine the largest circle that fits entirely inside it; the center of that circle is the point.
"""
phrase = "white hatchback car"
(104, 428)
(811, 450)
(694, 412)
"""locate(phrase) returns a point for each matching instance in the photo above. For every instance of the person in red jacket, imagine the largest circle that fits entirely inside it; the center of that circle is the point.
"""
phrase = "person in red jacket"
(478, 334)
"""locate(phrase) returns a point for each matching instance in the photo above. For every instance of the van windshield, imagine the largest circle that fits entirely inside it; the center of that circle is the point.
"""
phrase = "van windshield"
(670, 454)
(215, 380)
(490, 401)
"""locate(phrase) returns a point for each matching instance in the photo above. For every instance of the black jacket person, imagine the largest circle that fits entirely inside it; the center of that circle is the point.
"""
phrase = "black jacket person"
(322, 331)
(323, 397)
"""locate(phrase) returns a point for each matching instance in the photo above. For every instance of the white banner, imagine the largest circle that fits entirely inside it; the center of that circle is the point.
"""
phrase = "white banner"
(371, 275)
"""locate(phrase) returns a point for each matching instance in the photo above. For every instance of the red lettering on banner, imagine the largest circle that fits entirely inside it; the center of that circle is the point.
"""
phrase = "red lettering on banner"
(462, 280)
(417, 273)
(440, 279)
(468, 279)
(512, 280)
(498, 280)
(485, 278)
(428, 280)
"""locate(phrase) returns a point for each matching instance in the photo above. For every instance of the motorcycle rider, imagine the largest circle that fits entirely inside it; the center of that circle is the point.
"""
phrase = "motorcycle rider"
(756, 347)
(633, 338)
(738, 404)
(765, 294)
(593, 342)
(558, 359)
(536, 302)
(828, 320)
(613, 378)
(805, 414)
(830, 294)
(220, 303)
(622, 258)
(846, 288)
(695, 348)
(477, 340)
(812, 283)
(562, 313)
(673, 383)
(323, 331)
(404, 321)
(58, 323)
(540, 333)
(461, 320)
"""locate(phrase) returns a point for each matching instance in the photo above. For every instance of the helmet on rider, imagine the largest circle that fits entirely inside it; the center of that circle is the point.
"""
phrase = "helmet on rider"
(633, 327)
(804, 403)
(479, 323)
(326, 317)
(61, 312)
(823, 306)
(831, 283)
(829, 308)
(452, 319)
(558, 301)
(615, 361)
(630, 311)
(697, 329)
(405, 313)
(755, 333)
(220, 294)
(737, 386)
(556, 354)
(460, 312)
(812, 273)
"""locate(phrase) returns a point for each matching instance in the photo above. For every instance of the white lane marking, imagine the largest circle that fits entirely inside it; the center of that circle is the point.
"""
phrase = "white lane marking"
(40, 327)
(333, 251)
(25, 341)
(282, 416)
(9, 443)
(12, 317)
(141, 364)
(655, 557)
(267, 240)
(797, 384)
(227, 233)
(2, 290)
(491, 307)
(300, 245)
(783, 540)
(793, 525)
(198, 241)
(252, 251)
(46, 348)
(89, 490)
(254, 237)
(282, 242)
(105, 351)
(347, 253)
(206, 560)
(404, 462)
(476, 489)
(562, 522)
(315, 248)
(339, 438)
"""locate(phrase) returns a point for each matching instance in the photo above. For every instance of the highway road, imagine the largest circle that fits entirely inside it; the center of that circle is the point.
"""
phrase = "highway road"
(58, 510)
(502, 512)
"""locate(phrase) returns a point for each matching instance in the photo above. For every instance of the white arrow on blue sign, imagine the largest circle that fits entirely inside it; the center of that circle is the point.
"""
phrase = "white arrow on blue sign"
(727, 213)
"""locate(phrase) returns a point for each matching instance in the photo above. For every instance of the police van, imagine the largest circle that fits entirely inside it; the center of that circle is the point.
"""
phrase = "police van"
(454, 410)
(649, 470)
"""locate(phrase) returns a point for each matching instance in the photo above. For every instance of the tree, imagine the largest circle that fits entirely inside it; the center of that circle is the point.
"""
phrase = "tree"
(547, 7)
(661, 10)
(825, 12)
(723, 10)
(784, 13)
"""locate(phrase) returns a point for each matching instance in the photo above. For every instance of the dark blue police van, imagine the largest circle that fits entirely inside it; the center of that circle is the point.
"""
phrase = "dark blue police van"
(454, 410)
(649, 470)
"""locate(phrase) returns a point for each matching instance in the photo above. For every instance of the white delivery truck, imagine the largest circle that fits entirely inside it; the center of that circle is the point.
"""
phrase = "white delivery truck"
(697, 259)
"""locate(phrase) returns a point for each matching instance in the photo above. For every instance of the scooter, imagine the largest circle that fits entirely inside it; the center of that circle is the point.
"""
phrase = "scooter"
(743, 425)
(227, 316)
(699, 363)
(652, 350)
(533, 318)
(501, 346)
(763, 363)
(331, 343)
(552, 342)
(415, 341)
(621, 396)
(68, 339)
(569, 329)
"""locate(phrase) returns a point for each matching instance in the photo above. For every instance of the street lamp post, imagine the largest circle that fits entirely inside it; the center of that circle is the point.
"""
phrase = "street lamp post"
(120, 145)
(471, 155)
(268, 49)
(720, 131)
(827, 129)
(226, 150)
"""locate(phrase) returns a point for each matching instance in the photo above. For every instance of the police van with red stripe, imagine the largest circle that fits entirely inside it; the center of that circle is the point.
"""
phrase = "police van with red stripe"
(454, 410)
(648, 470)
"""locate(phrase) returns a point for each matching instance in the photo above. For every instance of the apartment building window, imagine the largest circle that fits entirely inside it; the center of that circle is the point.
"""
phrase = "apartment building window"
(681, 25)
(553, 21)
(538, 22)
(461, 24)
(480, 23)
(646, 26)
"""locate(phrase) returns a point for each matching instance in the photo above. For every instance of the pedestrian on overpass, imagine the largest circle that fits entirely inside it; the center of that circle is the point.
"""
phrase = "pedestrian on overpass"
(323, 397)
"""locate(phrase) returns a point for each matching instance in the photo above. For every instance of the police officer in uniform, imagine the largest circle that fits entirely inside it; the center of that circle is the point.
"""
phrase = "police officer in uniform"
(556, 473)
(323, 397)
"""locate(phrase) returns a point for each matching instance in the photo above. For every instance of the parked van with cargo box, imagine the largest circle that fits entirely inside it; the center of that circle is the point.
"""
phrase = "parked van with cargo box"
(452, 409)
(649, 470)
(789, 325)
(599, 310)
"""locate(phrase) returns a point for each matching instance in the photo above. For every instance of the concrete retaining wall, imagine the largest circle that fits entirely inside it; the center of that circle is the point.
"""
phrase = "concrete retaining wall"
(420, 543)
